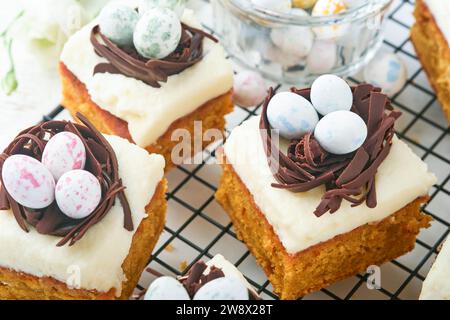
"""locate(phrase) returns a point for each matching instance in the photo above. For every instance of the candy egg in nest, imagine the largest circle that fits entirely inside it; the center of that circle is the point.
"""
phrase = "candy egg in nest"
(225, 288)
(117, 22)
(64, 152)
(341, 132)
(330, 93)
(157, 33)
(78, 193)
(28, 181)
(166, 288)
(291, 114)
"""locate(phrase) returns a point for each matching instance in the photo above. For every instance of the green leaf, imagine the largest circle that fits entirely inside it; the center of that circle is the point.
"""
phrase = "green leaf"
(9, 82)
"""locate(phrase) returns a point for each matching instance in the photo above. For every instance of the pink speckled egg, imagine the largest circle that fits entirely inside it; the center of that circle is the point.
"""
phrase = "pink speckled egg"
(63, 153)
(28, 182)
(249, 89)
(78, 193)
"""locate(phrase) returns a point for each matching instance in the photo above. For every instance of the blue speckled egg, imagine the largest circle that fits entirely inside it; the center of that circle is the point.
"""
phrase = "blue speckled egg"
(225, 288)
(166, 288)
(330, 93)
(291, 114)
(177, 6)
(341, 132)
(157, 33)
(386, 71)
(117, 22)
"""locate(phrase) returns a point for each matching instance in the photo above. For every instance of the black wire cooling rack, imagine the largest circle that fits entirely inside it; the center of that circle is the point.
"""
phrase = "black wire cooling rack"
(197, 228)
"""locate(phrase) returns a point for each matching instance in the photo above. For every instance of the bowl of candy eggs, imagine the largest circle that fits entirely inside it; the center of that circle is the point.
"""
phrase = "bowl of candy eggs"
(294, 41)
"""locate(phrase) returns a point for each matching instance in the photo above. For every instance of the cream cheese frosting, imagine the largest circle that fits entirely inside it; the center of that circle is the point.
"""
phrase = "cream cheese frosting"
(149, 111)
(401, 178)
(97, 258)
(441, 12)
(437, 283)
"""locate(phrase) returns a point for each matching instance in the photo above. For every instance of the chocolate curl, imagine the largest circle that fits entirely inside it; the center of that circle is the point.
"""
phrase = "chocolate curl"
(195, 279)
(348, 177)
(150, 71)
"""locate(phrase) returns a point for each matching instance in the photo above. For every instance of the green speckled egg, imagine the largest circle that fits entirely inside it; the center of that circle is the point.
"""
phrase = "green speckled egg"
(117, 22)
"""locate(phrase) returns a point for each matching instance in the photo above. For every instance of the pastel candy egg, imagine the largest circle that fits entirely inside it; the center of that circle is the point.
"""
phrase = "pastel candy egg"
(293, 39)
(274, 5)
(291, 114)
(249, 89)
(157, 33)
(64, 152)
(28, 182)
(225, 288)
(177, 6)
(327, 8)
(322, 57)
(330, 93)
(166, 288)
(117, 22)
(304, 4)
(78, 193)
(341, 132)
(386, 71)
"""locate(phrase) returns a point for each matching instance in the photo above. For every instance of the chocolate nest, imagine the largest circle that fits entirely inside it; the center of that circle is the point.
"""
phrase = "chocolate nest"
(101, 161)
(351, 176)
(127, 61)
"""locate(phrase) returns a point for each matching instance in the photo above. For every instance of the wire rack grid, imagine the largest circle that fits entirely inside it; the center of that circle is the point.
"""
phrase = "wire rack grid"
(197, 228)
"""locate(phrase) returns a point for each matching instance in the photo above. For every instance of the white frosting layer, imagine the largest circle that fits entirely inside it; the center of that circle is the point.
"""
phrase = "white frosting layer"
(401, 178)
(149, 111)
(441, 12)
(437, 284)
(99, 255)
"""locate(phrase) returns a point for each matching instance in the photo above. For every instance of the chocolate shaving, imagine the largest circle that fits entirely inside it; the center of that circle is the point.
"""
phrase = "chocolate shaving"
(101, 161)
(127, 61)
(349, 177)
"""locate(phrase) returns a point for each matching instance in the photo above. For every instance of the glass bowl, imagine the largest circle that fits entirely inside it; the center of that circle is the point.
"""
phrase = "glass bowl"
(295, 48)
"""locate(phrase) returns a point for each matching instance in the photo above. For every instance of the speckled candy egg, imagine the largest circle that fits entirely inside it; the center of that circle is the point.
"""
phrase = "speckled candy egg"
(157, 33)
(386, 71)
(28, 182)
(249, 89)
(225, 288)
(304, 4)
(64, 152)
(166, 288)
(274, 5)
(327, 8)
(330, 93)
(341, 132)
(177, 6)
(291, 114)
(322, 57)
(78, 193)
(293, 39)
(117, 22)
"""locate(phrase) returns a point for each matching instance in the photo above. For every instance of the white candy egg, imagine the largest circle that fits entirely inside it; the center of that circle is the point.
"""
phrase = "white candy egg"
(322, 57)
(274, 5)
(78, 193)
(225, 288)
(177, 6)
(330, 93)
(117, 22)
(386, 71)
(286, 60)
(249, 89)
(341, 132)
(166, 288)
(291, 114)
(293, 39)
(327, 8)
(64, 152)
(28, 182)
(157, 33)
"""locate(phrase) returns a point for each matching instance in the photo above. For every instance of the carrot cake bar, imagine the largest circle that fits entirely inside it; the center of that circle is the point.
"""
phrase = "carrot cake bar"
(80, 213)
(325, 202)
(431, 38)
(135, 90)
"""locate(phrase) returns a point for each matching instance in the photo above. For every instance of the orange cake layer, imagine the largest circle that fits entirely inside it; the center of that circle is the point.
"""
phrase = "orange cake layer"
(76, 99)
(295, 275)
(434, 53)
(17, 285)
